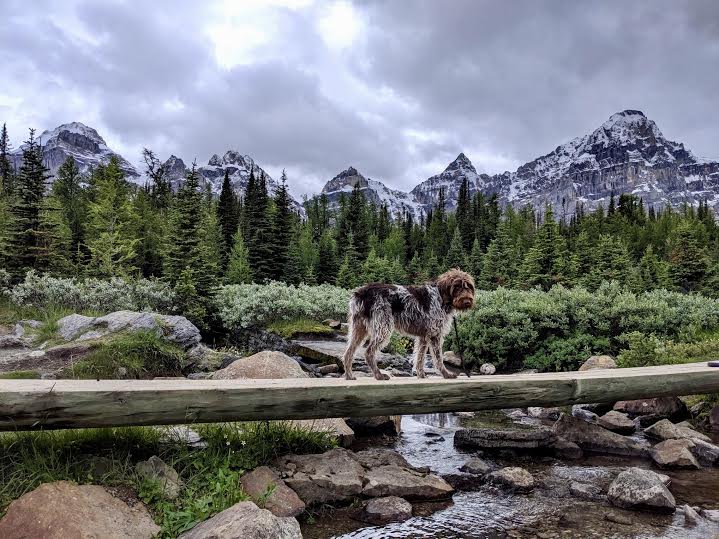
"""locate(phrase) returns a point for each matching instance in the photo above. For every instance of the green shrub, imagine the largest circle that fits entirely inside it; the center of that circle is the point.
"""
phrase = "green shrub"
(288, 329)
(140, 354)
(246, 305)
(647, 350)
(399, 345)
(20, 375)
(565, 353)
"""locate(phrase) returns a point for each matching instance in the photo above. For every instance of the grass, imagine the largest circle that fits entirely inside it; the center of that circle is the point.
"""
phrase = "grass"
(11, 314)
(20, 375)
(211, 476)
(139, 354)
(289, 329)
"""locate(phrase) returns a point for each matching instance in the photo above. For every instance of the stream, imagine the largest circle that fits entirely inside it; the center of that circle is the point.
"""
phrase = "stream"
(487, 512)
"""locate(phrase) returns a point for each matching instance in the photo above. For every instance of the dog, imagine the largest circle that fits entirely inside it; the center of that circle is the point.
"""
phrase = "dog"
(424, 312)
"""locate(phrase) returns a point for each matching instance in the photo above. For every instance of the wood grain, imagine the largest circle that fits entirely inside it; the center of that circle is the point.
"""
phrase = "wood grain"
(56, 404)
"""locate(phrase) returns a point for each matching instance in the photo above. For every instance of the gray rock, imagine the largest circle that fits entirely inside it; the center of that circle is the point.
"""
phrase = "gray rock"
(593, 438)
(155, 469)
(63, 510)
(329, 369)
(714, 418)
(585, 491)
(380, 511)
(261, 365)
(641, 489)
(582, 413)
(513, 477)
(73, 326)
(617, 422)
(184, 435)
(245, 520)
(706, 453)
(12, 341)
(618, 518)
(531, 438)
(565, 449)
(691, 517)
(405, 482)
(666, 430)
(658, 408)
(384, 424)
(282, 500)
(487, 369)
(710, 514)
(476, 466)
(35, 354)
(598, 362)
(675, 454)
(551, 414)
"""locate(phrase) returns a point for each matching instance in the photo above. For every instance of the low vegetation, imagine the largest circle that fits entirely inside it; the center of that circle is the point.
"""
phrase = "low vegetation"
(289, 329)
(108, 456)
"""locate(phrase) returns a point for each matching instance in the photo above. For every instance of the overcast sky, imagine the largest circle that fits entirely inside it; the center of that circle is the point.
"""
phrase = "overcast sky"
(396, 88)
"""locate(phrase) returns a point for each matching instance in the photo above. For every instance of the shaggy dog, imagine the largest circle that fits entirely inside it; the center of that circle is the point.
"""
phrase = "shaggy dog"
(424, 312)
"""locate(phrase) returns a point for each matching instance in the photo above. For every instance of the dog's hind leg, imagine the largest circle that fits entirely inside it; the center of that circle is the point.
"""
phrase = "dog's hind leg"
(357, 334)
(435, 345)
(382, 326)
(420, 351)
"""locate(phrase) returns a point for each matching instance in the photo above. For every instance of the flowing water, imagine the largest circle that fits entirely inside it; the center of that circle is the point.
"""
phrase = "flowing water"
(487, 512)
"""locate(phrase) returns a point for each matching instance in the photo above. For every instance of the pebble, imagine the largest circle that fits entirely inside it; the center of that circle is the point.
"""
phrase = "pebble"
(618, 518)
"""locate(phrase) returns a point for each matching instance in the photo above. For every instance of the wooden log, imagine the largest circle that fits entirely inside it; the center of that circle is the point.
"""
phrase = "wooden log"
(55, 404)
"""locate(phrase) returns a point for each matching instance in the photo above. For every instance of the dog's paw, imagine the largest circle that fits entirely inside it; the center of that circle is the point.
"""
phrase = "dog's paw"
(381, 376)
(421, 375)
(448, 374)
(349, 376)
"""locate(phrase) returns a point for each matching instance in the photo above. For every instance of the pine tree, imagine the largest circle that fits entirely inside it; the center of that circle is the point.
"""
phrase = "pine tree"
(160, 190)
(475, 261)
(455, 255)
(612, 263)
(437, 238)
(184, 234)
(327, 265)
(687, 258)
(432, 268)
(353, 219)
(349, 274)
(465, 222)
(6, 173)
(544, 263)
(25, 246)
(500, 261)
(258, 231)
(228, 218)
(238, 267)
(67, 189)
(282, 224)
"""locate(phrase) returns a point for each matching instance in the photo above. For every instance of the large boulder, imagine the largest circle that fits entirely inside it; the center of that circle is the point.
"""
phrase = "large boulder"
(245, 520)
(706, 453)
(617, 422)
(650, 411)
(380, 511)
(494, 439)
(548, 414)
(383, 424)
(675, 454)
(513, 477)
(282, 501)
(261, 366)
(641, 489)
(476, 466)
(666, 430)
(593, 438)
(63, 510)
(598, 362)
(176, 329)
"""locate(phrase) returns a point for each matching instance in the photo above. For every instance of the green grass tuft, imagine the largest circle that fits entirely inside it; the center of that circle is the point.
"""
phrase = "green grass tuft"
(141, 354)
(20, 375)
(288, 329)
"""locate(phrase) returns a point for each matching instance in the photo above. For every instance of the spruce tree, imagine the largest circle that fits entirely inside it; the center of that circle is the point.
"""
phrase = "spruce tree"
(500, 261)
(238, 267)
(227, 217)
(282, 224)
(687, 257)
(475, 261)
(455, 255)
(25, 245)
(544, 263)
(465, 223)
(184, 234)
(327, 265)
(6, 172)
(160, 189)
(67, 189)
(258, 231)
(349, 274)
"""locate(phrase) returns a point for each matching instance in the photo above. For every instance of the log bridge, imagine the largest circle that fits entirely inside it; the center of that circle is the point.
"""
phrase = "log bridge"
(59, 404)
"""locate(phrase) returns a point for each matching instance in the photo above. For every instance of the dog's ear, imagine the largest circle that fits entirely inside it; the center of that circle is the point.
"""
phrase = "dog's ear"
(444, 285)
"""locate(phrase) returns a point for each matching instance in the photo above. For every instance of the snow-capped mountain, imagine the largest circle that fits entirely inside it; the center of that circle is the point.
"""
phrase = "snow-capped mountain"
(79, 141)
(398, 202)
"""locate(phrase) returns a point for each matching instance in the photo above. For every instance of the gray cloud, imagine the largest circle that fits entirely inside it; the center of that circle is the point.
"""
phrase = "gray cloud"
(504, 82)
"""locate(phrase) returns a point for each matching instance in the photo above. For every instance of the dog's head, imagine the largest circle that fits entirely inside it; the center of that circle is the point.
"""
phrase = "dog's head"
(457, 289)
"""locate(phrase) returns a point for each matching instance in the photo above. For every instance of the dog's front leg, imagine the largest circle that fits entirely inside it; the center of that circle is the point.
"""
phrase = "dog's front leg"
(420, 351)
(435, 345)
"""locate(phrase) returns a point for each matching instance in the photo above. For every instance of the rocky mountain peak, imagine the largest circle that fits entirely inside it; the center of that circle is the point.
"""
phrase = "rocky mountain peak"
(461, 162)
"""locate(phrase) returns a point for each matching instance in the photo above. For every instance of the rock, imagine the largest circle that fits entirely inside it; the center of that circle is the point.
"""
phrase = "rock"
(184, 435)
(334, 426)
(328, 369)
(156, 470)
(487, 368)
(464, 415)
(339, 475)
(598, 362)
(617, 422)
(513, 477)
(710, 514)
(532, 438)
(666, 430)
(675, 454)
(331, 351)
(395, 480)
(660, 408)
(597, 408)
(685, 424)
(383, 424)
(585, 415)
(450, 358)
(476, 466)
(260, 366)
(245, 520)
(585, 491)
(72, 351)
(282, 502)
(639, 489)
(334, 324)
(618, 518)
(691, 517)
(12, 341)
(35, 354)
(551, 414)
(714, 418)
(593, 438)
(176, 329)
(385, 510)
(63, 510)
(565, 449)
(706, 453)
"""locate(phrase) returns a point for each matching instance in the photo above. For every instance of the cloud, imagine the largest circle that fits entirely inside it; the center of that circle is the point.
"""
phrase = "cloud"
(393, 89)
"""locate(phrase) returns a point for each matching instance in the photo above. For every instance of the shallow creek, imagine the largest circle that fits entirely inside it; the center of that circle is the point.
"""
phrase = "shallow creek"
(486, 512)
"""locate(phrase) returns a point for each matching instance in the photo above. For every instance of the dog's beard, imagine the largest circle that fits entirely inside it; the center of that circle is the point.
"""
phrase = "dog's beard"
(464, 301)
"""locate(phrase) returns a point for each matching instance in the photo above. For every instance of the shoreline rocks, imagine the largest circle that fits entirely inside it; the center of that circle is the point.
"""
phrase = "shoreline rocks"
(593, 438)
(245, 519)
(640, 489)
(496, 439)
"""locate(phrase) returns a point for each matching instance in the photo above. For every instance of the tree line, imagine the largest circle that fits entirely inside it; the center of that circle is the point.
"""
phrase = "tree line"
(98, 224)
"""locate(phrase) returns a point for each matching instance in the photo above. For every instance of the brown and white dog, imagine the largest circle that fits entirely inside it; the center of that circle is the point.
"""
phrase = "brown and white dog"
(424, 312)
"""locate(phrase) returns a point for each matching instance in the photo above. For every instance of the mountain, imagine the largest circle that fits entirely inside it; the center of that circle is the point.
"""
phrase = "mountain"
(398, 202)
(79, 141)
(626, 154)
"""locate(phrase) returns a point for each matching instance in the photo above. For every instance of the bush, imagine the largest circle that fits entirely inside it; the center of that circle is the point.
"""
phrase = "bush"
(649, 350)
(246, 305)
(103, 295)
(509, 327)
